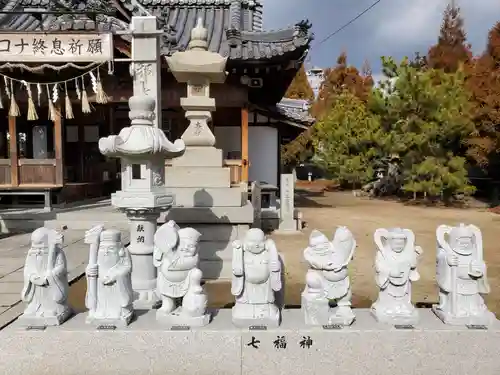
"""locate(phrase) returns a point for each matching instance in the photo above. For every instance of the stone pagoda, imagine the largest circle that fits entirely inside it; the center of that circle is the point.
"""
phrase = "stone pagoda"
(205, 198)
(142, 149)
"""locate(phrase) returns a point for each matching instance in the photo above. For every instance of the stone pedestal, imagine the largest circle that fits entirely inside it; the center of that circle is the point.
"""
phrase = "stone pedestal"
(142, 231)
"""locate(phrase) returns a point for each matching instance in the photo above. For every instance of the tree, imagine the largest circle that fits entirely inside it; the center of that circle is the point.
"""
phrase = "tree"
(341, 77)
(347, 140)
(337, 80)
(300, 88)
(452, 48)
(484, 83)
(426, 115)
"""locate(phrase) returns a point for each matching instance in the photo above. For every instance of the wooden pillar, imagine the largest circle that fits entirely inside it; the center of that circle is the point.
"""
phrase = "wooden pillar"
(58, 140)
(244, 144)
(14, 159)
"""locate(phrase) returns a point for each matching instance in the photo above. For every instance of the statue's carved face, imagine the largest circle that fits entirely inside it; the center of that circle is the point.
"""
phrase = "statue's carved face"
(397, 244)
(38, 248)
(255, 247)
(187, 246)
(109, 248)
(464, 245)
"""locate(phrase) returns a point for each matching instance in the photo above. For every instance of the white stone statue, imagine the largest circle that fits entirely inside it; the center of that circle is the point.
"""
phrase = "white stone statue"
(327, 279)
(396, 269)
(45, 280)
(461, 276)
(109, 295)
(179, 278)
(256, 281)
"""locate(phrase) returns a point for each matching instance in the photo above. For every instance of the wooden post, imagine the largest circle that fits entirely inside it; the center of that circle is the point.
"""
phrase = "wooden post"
(244, 144)
(58, 147)
(14, 159)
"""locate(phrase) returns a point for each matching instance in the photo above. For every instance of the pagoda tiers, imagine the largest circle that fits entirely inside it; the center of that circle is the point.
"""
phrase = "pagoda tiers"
(60, 157)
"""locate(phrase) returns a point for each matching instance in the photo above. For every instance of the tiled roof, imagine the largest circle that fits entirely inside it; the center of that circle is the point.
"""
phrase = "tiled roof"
(294, 110)
(234, 26)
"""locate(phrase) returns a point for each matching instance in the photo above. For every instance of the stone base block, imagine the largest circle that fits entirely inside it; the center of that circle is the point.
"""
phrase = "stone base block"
(486, 319)
(317, 312)
(41, 321)
(176, 319)
(207, 197)
(383, 317)
(138, 199)
(211, 215)
(197, 177)
(366, 347)
(199, 157)
(119, 323)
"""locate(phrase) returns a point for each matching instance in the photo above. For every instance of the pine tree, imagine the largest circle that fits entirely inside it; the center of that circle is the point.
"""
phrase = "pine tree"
(426, 115)
(452, 48)
(484, 83)
(347, 140)
(300, 87)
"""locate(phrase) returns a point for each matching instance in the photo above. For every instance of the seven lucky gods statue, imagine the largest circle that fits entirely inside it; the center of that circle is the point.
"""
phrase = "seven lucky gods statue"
(109, 295)
(45, 281)
(327, 279)
(396, 269)
(179, 278)
(461, 276)
(256, 281)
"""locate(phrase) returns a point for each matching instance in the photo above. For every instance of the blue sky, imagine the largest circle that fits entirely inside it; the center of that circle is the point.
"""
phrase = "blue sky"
(395, 28)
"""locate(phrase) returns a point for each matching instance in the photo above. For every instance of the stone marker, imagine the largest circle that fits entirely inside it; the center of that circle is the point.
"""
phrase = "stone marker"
(257, 204)
(179, 278)
(396, 269)
(327, 279)
(46, 286)
(109, 295)
(256, 281)
(461, 276)
(287, 207)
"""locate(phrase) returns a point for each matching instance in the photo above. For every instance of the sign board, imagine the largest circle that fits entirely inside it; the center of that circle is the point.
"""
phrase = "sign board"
(56, 47)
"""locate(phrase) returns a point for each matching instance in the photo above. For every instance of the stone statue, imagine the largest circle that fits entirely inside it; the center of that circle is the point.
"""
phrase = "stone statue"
(396, 269)
(45, 280)
(327, 279)
(109, 295)
(461, 276)
(179, 278)
(256, 280)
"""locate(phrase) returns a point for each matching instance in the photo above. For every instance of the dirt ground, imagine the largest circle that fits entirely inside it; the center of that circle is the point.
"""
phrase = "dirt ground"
(325, 211)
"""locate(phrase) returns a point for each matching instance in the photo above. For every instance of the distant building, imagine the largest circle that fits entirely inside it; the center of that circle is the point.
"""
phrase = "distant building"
(315, 76)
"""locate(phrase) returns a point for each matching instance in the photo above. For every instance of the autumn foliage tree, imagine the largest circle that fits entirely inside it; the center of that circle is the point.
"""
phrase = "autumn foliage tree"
(484, 84)
(341, 78)
(300, 87)
(452, 48)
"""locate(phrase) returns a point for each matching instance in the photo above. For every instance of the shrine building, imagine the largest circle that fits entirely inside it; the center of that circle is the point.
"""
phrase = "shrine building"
(49, 146)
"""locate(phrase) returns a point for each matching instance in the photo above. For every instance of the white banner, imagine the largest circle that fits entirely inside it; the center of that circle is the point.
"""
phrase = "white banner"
(55, 47)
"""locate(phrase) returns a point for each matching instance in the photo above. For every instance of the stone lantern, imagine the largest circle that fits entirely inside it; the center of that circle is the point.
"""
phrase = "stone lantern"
(142, 149)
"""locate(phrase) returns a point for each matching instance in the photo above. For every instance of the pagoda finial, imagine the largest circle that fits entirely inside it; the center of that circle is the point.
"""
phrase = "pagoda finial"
(142, 110)
(199, 36)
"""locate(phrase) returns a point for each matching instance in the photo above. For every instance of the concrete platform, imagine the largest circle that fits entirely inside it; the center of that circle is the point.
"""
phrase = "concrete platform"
(367, 347)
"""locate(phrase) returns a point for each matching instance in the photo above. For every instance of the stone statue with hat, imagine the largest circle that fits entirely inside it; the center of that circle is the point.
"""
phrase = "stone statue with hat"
(461, 276)
(179, 278)
(395, 271)
(109, 295)
(256, 281)
(327, 280)
(46, 286)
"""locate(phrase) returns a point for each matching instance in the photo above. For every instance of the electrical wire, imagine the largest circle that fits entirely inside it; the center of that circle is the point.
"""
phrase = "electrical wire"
(346, 24)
